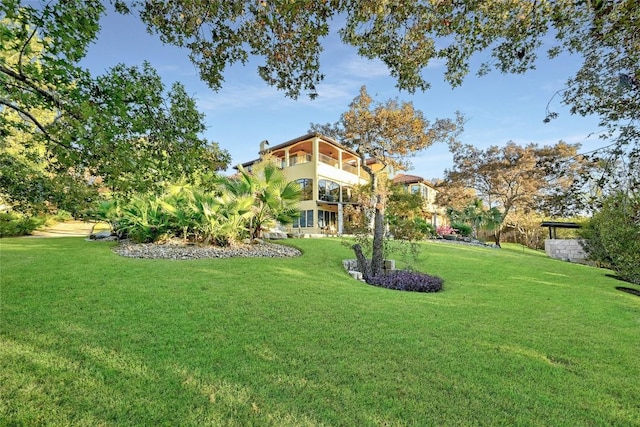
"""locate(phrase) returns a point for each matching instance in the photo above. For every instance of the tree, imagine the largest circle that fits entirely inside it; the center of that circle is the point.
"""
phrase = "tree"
(612, 236)
(475, 215)
(513, 177)
(117, 128)
(408, 35)
(275, 198)
(405, 215)
(388, 134)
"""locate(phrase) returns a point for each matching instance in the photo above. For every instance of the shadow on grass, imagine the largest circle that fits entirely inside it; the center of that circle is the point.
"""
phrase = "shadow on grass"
(631, 291)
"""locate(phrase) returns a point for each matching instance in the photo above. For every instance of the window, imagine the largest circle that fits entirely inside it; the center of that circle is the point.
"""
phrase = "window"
(306, 185)
(305, 219)
(415, 188)
(328, 191)
(348, 195)
(328, 219)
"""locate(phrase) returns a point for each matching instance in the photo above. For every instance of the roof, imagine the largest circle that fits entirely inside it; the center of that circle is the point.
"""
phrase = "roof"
(410, 179)
(313, 135)
(560, 224)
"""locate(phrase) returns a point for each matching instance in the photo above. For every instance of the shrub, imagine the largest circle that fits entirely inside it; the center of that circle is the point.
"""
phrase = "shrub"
(412, 281)
(612, 236)
(462, 228)
(15, 224)
(411, 229)
(444, 230)
(61, 216)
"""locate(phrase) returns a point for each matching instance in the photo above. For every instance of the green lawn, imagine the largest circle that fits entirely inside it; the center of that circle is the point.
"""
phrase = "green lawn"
(91, 338)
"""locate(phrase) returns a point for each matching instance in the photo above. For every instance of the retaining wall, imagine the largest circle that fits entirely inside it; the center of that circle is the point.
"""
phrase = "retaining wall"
(565, 249)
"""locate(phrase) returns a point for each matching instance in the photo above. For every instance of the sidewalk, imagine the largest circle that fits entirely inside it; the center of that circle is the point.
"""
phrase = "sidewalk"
(65, 229)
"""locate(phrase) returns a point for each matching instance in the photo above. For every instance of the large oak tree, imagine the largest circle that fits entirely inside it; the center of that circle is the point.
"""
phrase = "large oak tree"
(123, 128)
(513, 177)
(386, 135)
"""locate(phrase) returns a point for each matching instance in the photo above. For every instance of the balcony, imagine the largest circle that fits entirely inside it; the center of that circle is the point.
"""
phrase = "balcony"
(328, 160)
(299, 159)
(350, 168)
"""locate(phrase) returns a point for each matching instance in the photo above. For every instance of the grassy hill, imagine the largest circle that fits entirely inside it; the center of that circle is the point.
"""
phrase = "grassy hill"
(91, 338)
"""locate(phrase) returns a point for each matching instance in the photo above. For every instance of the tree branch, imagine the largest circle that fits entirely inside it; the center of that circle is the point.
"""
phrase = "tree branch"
(24, 46)
(35, 121)
(21, 78)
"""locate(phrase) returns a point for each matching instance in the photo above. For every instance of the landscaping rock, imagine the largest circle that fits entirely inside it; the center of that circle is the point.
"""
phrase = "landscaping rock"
(102, 235)
(173, 250)
(274, 235)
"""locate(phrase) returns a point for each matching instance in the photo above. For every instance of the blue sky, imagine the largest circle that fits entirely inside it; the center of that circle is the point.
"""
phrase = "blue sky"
(498, 108)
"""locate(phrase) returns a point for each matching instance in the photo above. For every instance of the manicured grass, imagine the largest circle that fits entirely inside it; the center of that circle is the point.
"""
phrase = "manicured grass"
(91, 338)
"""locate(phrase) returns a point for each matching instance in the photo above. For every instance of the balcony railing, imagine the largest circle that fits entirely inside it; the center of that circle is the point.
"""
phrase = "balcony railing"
(350, 168)
(299, 159)
(327, 159)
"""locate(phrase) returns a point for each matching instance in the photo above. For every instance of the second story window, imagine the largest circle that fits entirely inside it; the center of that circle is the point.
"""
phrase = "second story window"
(328, 191)
(349, 195)
(306, 187)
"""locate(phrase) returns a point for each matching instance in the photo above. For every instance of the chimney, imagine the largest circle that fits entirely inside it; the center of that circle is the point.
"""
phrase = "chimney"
(263, 146)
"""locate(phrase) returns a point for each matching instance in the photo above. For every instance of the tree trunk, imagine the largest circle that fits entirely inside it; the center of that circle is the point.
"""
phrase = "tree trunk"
(496, 236)
(363, 265)
(377, 257)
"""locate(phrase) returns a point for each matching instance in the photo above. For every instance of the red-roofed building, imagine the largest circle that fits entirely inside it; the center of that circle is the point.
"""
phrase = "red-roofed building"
(418, 185)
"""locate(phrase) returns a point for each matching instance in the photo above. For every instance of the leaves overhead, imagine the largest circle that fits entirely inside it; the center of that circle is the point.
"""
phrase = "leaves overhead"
(509, 35)
(122, 129)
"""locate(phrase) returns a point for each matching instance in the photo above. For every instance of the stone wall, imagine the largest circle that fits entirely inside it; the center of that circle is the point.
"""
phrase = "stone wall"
(565, 249)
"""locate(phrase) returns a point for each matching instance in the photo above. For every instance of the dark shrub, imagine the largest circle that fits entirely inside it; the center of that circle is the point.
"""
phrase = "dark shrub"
(462, 228)
(611, 236)
(412, 281)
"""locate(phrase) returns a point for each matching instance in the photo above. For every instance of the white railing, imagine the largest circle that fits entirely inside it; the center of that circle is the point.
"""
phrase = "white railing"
(327, 159)
(350, 168)
(299, 159)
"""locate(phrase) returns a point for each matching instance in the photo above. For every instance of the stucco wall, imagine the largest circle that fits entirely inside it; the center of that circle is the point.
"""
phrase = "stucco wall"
(565, 249)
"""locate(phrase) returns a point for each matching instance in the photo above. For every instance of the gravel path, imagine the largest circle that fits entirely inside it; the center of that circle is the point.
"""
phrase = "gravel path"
(179, 251)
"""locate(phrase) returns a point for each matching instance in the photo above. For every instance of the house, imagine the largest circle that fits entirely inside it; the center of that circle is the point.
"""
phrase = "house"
(418, 185)
(327, 173)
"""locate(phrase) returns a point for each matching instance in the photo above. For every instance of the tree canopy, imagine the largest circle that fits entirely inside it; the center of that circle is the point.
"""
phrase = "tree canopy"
(513, 177)
(386, 135)
(121, 128)
(510, 36)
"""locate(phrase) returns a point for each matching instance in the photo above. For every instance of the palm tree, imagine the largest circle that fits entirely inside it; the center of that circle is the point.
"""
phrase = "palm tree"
(274, 198)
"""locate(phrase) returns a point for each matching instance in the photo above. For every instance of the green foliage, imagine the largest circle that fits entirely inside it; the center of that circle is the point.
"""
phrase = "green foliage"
(106, 339)
(462, 228)
(18, 224)
(612, 236)
(404, 215)
(237, 208)
(65, 133)
(274, 198)
(474, 217)
(408, 36)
